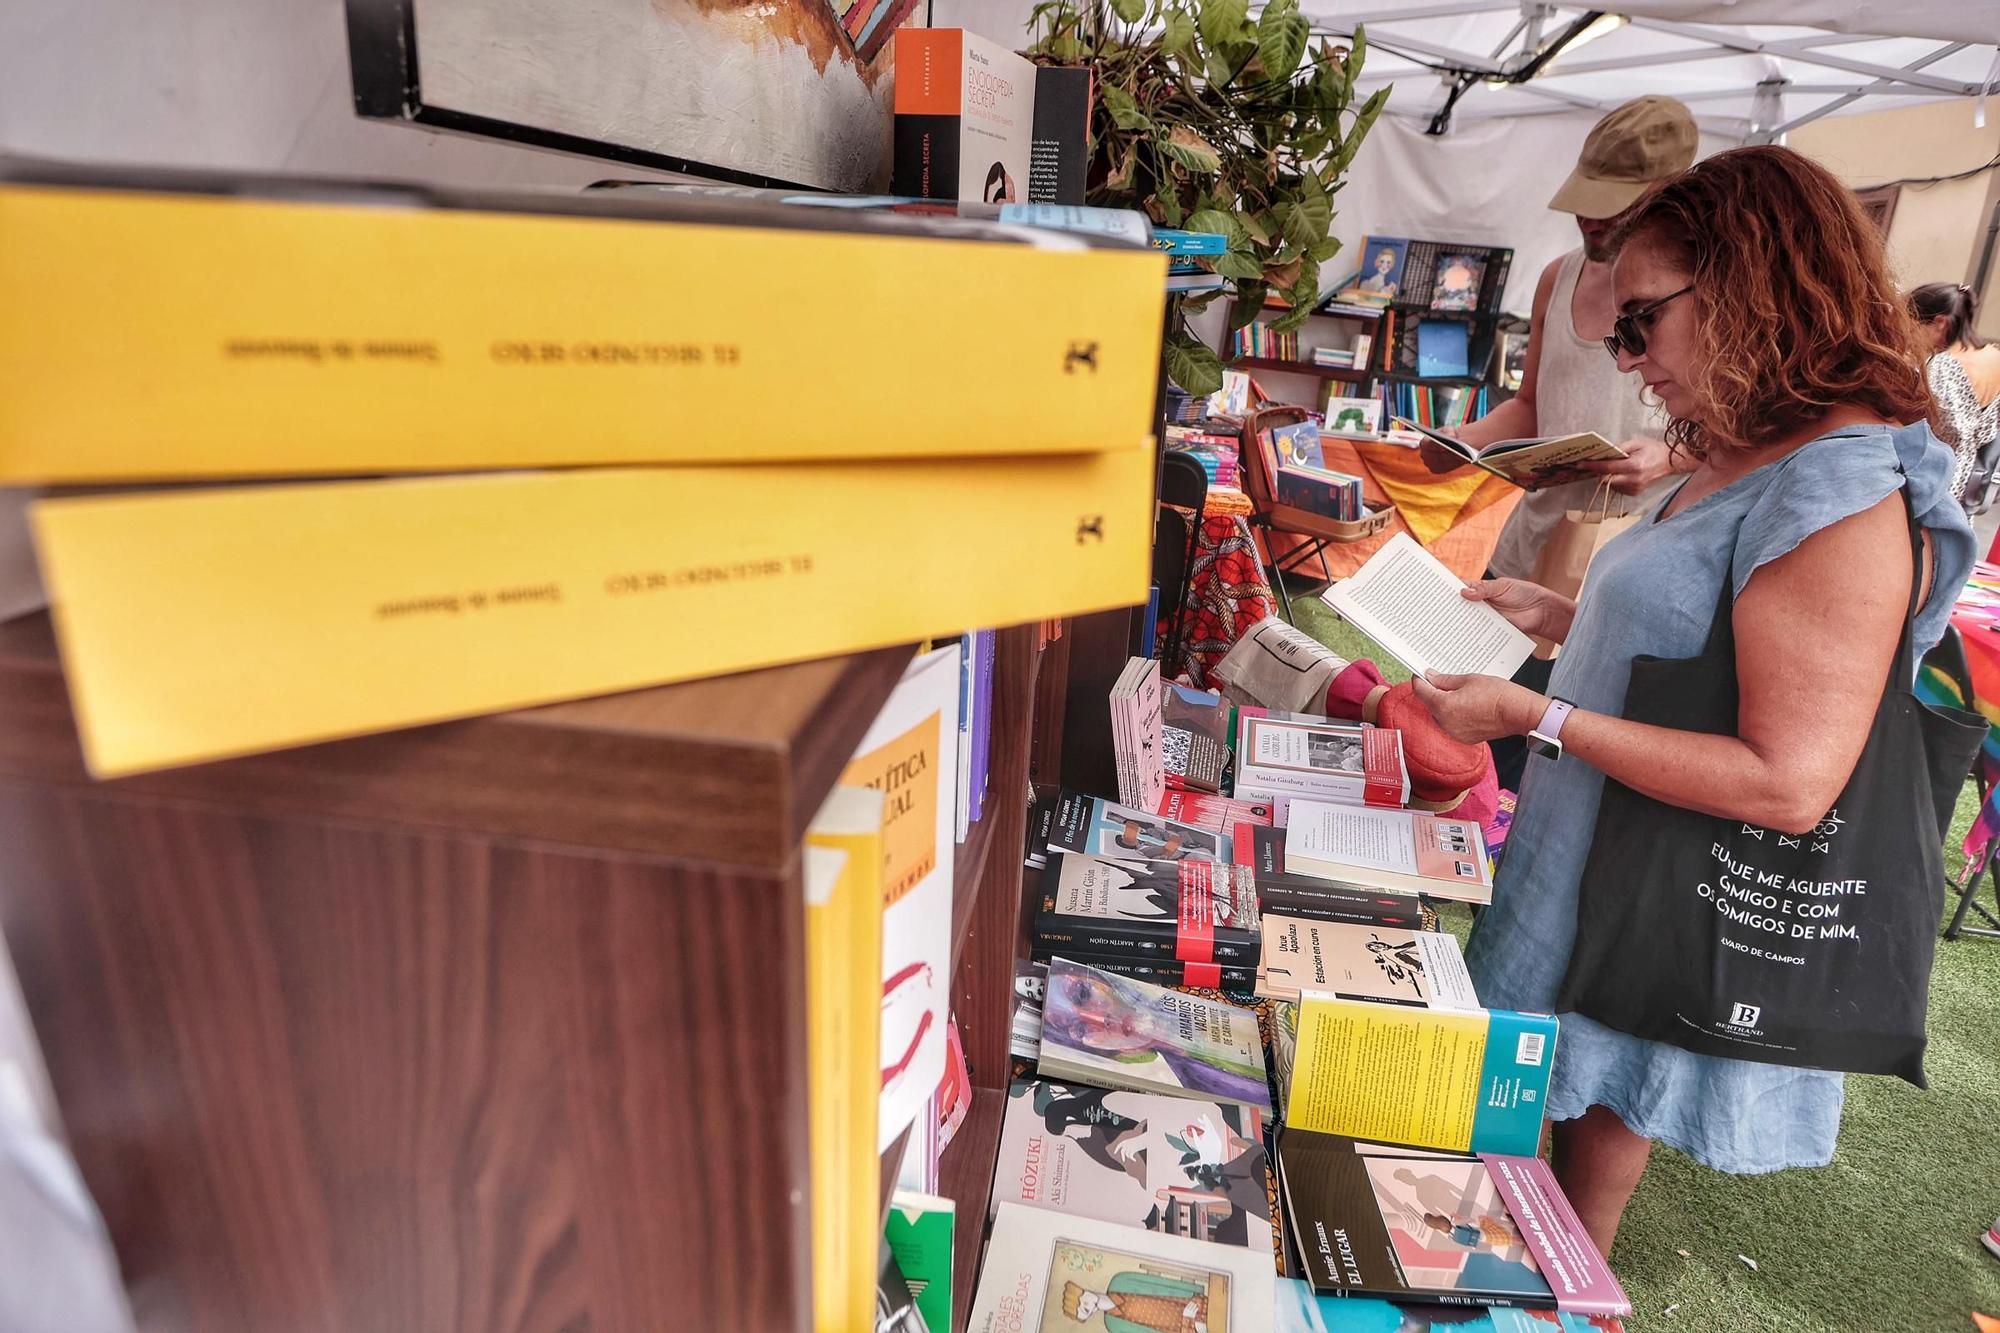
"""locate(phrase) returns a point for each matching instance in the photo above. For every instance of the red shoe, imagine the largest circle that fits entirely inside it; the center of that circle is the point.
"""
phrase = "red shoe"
(1991, 1240)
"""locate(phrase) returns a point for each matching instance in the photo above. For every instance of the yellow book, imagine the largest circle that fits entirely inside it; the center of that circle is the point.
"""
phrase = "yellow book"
(196, 625)
(159, 334)
(1467, 1080)
(844, 1000)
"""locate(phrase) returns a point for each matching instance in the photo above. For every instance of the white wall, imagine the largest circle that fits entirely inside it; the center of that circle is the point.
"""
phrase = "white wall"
(259, 85)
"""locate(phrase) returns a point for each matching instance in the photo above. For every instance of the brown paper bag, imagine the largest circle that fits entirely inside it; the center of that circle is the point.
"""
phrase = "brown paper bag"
(1574, 542)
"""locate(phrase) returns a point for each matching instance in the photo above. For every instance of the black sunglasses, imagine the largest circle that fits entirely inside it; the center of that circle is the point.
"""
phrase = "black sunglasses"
(1628, 332)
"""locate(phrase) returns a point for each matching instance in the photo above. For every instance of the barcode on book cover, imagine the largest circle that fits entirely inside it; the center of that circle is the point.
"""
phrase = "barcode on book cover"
(1528, 1051)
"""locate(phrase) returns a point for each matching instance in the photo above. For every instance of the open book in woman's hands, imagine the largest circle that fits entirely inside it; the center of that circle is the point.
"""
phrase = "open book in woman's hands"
(1547, 460)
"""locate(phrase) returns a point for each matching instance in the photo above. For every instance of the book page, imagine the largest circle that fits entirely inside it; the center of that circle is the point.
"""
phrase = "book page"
(1407, 601)
(1353, 835)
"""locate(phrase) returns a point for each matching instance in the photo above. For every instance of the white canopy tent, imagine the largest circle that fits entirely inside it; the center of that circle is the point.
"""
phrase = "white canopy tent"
(1751, 70)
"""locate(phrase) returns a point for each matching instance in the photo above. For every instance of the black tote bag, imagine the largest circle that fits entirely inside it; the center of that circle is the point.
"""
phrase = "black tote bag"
(1726, 939)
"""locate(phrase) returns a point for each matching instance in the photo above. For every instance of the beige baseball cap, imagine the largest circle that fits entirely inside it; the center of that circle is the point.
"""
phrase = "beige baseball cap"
(1646, 140)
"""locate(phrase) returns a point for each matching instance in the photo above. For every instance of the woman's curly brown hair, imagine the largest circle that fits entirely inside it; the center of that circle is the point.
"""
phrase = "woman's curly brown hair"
(1794, 309)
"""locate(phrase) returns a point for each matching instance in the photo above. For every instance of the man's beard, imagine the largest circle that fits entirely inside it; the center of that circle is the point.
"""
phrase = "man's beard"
(1597, 249)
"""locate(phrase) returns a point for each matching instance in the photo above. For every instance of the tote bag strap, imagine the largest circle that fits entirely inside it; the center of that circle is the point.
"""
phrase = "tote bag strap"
(1905, 667)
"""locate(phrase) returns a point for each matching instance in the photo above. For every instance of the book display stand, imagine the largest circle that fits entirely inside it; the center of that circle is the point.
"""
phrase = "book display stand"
(494, 1024)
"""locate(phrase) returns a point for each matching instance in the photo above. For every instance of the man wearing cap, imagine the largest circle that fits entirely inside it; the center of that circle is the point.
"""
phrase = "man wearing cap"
(1569, 384)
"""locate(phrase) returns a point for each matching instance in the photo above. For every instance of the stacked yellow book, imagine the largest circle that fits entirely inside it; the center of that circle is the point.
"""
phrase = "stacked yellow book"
(878, 427)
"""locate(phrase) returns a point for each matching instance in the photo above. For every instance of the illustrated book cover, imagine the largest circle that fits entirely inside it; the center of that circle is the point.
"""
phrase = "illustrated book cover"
(1296, 755)
(1530, 463)
(1115, 1032)
(965, 118)
(1194, 911)
(1356, 962)
(1168, 1164)
(1094, 826)
(908, 755)
(1053, 1273)
(1374, 1220)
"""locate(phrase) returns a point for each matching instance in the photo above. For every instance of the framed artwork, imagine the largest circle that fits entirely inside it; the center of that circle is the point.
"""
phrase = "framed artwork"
(783, 93)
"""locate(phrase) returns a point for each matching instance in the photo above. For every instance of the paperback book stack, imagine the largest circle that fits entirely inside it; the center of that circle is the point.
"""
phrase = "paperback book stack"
(1301, 478)
(1136, 704)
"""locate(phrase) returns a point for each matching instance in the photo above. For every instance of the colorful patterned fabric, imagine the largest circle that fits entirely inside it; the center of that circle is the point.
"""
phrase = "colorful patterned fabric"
(1977, 619)
(1227, 594)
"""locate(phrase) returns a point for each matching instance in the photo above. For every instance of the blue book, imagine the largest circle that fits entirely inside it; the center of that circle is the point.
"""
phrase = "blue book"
(1443, 347)
(1149, 633)
(1176, 242)
(1298, 445)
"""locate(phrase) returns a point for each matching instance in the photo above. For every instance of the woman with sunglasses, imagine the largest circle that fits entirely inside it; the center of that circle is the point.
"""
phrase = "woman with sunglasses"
(1755, 306)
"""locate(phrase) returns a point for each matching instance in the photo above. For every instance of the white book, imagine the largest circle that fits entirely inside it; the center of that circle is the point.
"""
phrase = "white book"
(910, 755)
(1048, 1270)
(1401, 851)
(1407, 601)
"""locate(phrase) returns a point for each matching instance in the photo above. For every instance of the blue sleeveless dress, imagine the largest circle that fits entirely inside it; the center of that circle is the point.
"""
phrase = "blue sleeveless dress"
(1653, 590)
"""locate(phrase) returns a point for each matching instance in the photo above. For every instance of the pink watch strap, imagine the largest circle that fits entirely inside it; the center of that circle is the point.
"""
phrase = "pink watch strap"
(1551, 724)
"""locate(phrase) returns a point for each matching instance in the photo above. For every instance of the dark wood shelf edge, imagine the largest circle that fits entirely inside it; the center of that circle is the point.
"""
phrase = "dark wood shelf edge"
(1289, 367)
(968, 873)
(892, 1161)
(965, 1176)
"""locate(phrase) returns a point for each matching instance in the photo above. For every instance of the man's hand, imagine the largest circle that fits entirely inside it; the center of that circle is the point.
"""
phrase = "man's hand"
(1479, 708)
(1645, 462)
(1440, 459)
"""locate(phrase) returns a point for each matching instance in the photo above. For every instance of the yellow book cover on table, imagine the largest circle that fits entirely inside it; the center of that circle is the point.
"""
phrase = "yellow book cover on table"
(197, 625)
(172, 335)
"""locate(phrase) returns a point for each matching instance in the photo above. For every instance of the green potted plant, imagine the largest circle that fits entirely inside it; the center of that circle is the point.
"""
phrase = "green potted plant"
(1210, 120)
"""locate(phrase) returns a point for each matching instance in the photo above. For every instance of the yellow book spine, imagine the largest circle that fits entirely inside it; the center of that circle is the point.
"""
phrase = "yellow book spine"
(1391, 1072)
(827, 890)
(160, 335)
(846, 992)
(199, 625)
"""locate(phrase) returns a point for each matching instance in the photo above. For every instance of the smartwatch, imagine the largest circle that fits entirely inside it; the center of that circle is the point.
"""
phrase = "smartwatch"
(1546, 738)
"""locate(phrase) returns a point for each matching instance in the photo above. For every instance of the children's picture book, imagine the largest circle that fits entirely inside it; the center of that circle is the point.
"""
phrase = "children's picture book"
(1457, 283)
(1353, 416)
(1355, 962)
(1444, 347)
(1195, 911)
(1048, 1272)
(1530, 463)
(1303, 1310)
(1288, 755)
(1096, 827)
(1395, 850)
(1374, 1220)
(910, 755)
(1233, 398)
(1298, 445)
(1169, 1164)
(1115, 1032)
(1308, 896)
(919, 1232)
(1381, 277)
(1406, 600)
(1464, 1080)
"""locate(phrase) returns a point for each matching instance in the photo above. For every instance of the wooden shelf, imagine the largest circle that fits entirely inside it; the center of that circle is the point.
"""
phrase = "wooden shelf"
(968, 873)
(965, 1176)
(1290, 367)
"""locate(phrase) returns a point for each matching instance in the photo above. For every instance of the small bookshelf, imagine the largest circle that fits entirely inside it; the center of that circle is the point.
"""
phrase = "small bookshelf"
(1345, 374)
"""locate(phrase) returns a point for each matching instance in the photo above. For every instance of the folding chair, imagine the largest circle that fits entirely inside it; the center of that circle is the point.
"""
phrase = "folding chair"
(1260, 464)
(1183, 485)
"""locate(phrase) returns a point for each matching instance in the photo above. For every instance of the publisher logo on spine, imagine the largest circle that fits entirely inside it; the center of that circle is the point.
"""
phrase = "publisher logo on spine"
(1744, 1015)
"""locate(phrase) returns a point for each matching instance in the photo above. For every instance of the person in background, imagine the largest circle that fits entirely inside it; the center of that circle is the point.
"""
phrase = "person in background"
(1755, 302)
(1964, 375)
(1568, 384)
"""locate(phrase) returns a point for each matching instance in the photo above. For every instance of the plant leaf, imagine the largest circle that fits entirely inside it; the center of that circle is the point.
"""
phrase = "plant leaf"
(1192, 364)
(1192, 151)
(1357, 51)
(1291, 319)
(1363, 120)
(1178, 37)
(1282, 34)
(1249, 300)
(1309, 216)
(1170, 209)
(1239, 264)
(1257, 228)
(1195, 302)
(1212, 221)
(1129, 10)
(1124, 109)
(1222, 21)
(1324, 250)
(1284, 276)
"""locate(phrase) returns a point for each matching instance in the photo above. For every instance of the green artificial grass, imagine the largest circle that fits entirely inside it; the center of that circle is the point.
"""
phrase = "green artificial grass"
(1884, 1240)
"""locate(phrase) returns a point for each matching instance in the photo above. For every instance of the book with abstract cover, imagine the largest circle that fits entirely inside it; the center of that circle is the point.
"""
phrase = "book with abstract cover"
(1194, 911)
(1457, 284)
(1356, 962)
(1373, 1220)
(910, 755)
(1194, 736)
(1052, 1273)
(1303, 1310)
(1115, 1032)
(1168, 1164)
(1094, 826)
(1157, 969)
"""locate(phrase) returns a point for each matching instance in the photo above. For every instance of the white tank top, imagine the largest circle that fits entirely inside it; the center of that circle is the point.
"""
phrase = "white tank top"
(1578, 387)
